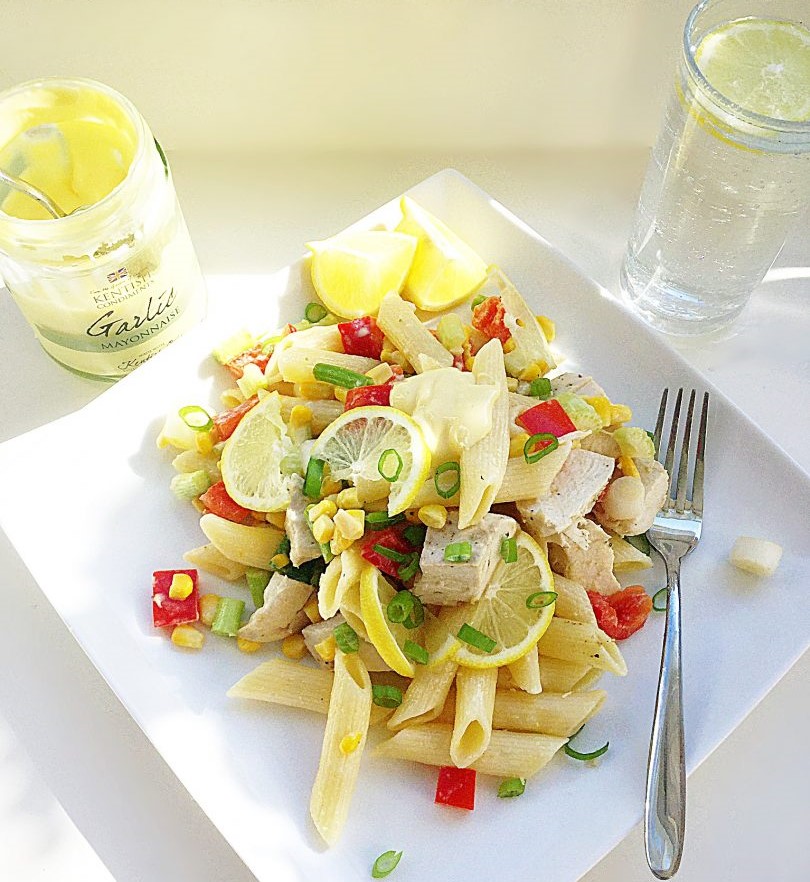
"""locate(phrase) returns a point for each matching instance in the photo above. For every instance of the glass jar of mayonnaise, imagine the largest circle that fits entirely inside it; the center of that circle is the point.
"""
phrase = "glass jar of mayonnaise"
(116, 279)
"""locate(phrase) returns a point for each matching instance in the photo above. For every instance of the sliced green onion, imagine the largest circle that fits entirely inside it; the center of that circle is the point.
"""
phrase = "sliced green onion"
(415, 652)
(314, 312)
(540, 388)
(660, 605)
(283, 546)
(447, 492)
(415, 534)
(191, 484)
(540, 599)
(227, 616)
(536, 439)
(257, 581)
(326, 552)
(509, 550)
(379, 520)
(641, 542)
(386, 696)
(409, 570)
(584, 757)
(391, 554)
(477, 300)
(338, 376)
(510, 787)
(346, 638)
(314, 478)
(405, 609)
(458, 552)
(385, 470)
(195, 417)
(474, 638)
(386, 863)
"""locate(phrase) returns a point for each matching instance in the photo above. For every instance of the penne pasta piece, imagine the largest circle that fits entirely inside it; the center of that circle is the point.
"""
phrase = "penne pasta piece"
(483, 465)
(549, 713)
(627, 557)
(320, 337)
(251, 546)
(296, 364)
(472, 726)
(398, 320)
(510, 754)
(588, 680)
(581, 642)
(526, 672)
(286, 682)
(343, 743)
(343, 577)
(572, 601)
(562, 676)
(208, 558)
(350, 609)
(425, 696)
(323, 412)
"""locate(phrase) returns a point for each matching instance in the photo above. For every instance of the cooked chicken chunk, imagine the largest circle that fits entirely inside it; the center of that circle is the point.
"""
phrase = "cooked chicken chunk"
(656, 485)
(583, 554)
(579, 384)
(448, 584)
(281, 613)
(316, 633)
(303, 546)
(579, 482)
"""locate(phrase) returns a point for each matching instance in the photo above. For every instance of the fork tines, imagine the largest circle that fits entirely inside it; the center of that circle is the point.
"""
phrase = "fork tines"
(679, 498)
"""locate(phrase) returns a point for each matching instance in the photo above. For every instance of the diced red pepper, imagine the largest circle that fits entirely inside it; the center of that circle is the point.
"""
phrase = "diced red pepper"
(228, 420)
(546, 417)
(621, 614)
(168, 612)
(489, 317)
(362, 336)
(289, 329)
(367, 395)
(250, 356)
(217, 500)
(392, 538)
(456, 787)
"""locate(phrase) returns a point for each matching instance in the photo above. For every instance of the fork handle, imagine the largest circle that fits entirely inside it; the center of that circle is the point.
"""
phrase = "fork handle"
(665, 802)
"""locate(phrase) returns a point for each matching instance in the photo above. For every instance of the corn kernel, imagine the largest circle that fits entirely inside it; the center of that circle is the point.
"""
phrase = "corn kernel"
(276, 518)
(602, 406)
(517, 443)
(323, 528)
(312, 611)
(348, 498)
(350, 743)
(244, 645)
(313, 391)
(204, 442)
(324, 507)
(182, 585)
(329, 487)
(187, 636)
(340, 393)
(294, 646)
(326, 648)
(412, 516)
(199, 506)
(232, 397)
(532, 372)
(547, 326)
(380, 374)
(300, 417)
(512, 384)
(509, 346)
(433, 516)
(350, 522)
(620, 413)
(628, 466)
(279, 561)
(393, 356)
(208, 608)
(340, 543)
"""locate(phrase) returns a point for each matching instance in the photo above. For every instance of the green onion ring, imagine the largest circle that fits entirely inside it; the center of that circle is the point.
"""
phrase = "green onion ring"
(534, 440)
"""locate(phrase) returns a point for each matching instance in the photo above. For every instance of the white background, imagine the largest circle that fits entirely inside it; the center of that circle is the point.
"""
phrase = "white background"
(285, 121)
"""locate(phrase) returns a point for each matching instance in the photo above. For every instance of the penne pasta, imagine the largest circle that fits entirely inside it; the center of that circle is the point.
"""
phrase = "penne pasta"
(343, 743)
(526, 672)
(581, 642)
(572, 601)
(472, 726)
(335, 585)
(296, 364)
(320, 337)
(483, 465)
(562, 676)
(286, 682)
(549, 713)
(510, 754)
(425, 696)
(627, 558)
(398, 320)
(210, 559)
(350, 609)
(251, 546)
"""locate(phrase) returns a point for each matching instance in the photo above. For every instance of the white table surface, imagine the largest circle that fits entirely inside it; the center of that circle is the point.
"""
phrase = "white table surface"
(84, 796)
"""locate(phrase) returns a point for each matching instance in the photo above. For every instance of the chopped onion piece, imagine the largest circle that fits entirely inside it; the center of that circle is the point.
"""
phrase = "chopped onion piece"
(758, 556)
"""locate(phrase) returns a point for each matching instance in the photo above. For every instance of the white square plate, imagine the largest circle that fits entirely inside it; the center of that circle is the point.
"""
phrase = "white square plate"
(251, 766)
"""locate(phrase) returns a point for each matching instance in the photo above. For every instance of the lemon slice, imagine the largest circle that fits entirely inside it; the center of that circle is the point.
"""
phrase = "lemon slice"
(364, 440)
(762, 65)
(502, 613)
(352, 272)
(387, 637)
(440, 633)
(445, 270)
(251, 457)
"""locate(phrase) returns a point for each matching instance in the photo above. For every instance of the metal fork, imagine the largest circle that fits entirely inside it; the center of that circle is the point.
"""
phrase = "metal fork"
(675, 532)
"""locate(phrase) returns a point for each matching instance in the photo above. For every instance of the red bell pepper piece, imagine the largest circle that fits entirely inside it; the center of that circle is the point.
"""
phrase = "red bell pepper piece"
(228, 420)
(393, 539)
(489, 317)
(366, 395)
(168, 612)
(218, 502)
(546, 417)
(250, 356)
(456, 787)
(621, 614)
(362, 336)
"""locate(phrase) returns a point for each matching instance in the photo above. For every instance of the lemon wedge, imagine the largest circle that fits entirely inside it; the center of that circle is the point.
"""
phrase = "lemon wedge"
(352, 272)
(251, 457)
(445, 270)
(387, 637)
(370, 444)
(502, 613)
(762, 65)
